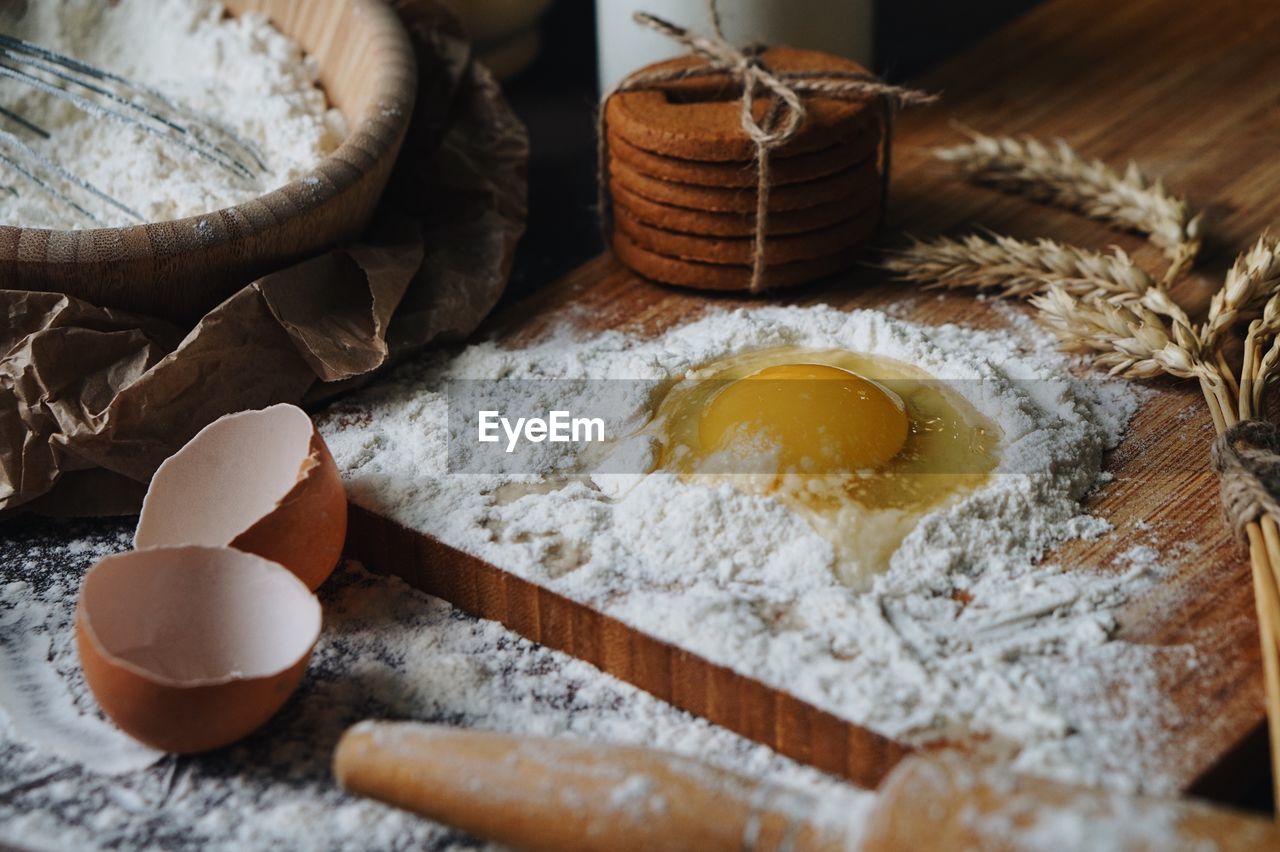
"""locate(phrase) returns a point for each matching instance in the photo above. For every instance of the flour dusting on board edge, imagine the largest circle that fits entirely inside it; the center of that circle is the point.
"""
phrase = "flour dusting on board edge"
(967, 633)
(386, 652)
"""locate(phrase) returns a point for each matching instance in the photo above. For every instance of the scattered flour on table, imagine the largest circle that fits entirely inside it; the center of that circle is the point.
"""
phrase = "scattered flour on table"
(41, 691)
(238, 71)
(386, 652)
(967, 632)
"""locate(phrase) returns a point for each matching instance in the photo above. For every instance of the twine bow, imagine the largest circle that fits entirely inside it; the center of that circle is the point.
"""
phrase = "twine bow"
(1247, 460)
(747, 69)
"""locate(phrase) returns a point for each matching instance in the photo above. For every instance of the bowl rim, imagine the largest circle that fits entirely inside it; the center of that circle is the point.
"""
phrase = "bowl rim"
(368, 139)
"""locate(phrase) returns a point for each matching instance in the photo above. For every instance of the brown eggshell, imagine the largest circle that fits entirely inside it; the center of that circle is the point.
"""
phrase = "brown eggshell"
(259, 481)
(191, 648)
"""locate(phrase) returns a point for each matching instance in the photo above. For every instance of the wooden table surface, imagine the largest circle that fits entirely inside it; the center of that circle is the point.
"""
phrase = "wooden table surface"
(1191, 90)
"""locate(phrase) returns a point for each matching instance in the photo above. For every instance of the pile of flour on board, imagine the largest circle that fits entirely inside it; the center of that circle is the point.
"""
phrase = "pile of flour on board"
(239, 72)
(965, 633)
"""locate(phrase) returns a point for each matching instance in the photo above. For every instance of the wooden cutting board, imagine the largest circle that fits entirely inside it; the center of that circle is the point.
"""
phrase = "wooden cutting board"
(1191, 90)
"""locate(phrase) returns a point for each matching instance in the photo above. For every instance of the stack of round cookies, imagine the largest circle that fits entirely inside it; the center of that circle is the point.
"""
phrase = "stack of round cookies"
(682, 179)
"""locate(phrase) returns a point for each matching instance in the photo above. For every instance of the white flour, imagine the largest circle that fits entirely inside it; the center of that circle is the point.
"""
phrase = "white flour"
(240, 72)
(386, 652)
(744, 582)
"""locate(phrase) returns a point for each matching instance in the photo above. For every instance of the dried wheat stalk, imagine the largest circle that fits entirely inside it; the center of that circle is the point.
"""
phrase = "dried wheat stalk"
(1129, 339)
(1014, 268)
(1256, 373)
(1261, 369)
(1139, 342)
(1058, 175)
(1106, 306)
(1101, 303)
(1136, 339)
(1251, 282)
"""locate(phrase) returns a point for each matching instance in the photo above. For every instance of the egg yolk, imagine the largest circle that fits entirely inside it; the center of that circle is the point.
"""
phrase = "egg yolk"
(812, 418)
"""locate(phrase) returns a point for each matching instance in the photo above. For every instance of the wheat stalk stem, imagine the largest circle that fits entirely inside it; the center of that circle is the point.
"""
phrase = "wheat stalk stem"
(1265, 373)
(1264, 557)
(1224, 369)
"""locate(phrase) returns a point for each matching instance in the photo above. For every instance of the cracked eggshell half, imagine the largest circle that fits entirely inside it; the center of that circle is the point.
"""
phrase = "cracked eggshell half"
(259, 481)
(189, 649)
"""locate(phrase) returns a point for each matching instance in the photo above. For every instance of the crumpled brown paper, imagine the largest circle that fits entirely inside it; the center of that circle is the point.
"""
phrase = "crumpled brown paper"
(93, 399)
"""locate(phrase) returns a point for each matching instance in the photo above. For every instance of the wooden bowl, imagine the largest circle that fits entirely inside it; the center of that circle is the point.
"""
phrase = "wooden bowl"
(178, 271)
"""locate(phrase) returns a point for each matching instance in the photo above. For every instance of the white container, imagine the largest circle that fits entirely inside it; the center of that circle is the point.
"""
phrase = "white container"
(842, 27)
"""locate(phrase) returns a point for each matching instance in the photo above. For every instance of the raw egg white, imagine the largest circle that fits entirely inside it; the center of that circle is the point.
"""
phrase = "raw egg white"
(862, 446)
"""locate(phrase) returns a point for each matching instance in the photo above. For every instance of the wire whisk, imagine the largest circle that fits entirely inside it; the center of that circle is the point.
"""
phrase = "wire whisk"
(102, 94)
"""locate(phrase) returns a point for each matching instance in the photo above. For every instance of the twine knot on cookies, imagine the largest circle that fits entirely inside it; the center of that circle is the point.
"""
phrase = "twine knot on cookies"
(746, 68)
(1246, 458)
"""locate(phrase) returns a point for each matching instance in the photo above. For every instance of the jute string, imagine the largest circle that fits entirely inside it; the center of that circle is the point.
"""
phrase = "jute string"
(1247, 460)
(747, 70)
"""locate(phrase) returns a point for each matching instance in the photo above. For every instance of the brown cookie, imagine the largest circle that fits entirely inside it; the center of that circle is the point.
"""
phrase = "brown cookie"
(860, 181)
(783, 170)
(782, 223)
(741, 250)
(700, 118)
(717, 276)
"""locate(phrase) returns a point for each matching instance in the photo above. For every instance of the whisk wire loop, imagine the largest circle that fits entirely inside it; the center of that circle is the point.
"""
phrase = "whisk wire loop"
(101, 93)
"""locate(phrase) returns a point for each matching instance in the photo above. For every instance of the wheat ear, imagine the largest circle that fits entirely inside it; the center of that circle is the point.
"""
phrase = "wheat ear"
(1056, 174)
(1128, 338)
(1250, 283)
(1014, 268)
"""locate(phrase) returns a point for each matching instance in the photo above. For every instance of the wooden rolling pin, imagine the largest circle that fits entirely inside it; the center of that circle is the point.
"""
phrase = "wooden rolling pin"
(562, 794)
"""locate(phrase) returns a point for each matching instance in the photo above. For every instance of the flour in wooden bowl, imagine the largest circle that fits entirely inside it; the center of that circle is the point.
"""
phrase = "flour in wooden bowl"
(965, 633)
(239, 72)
